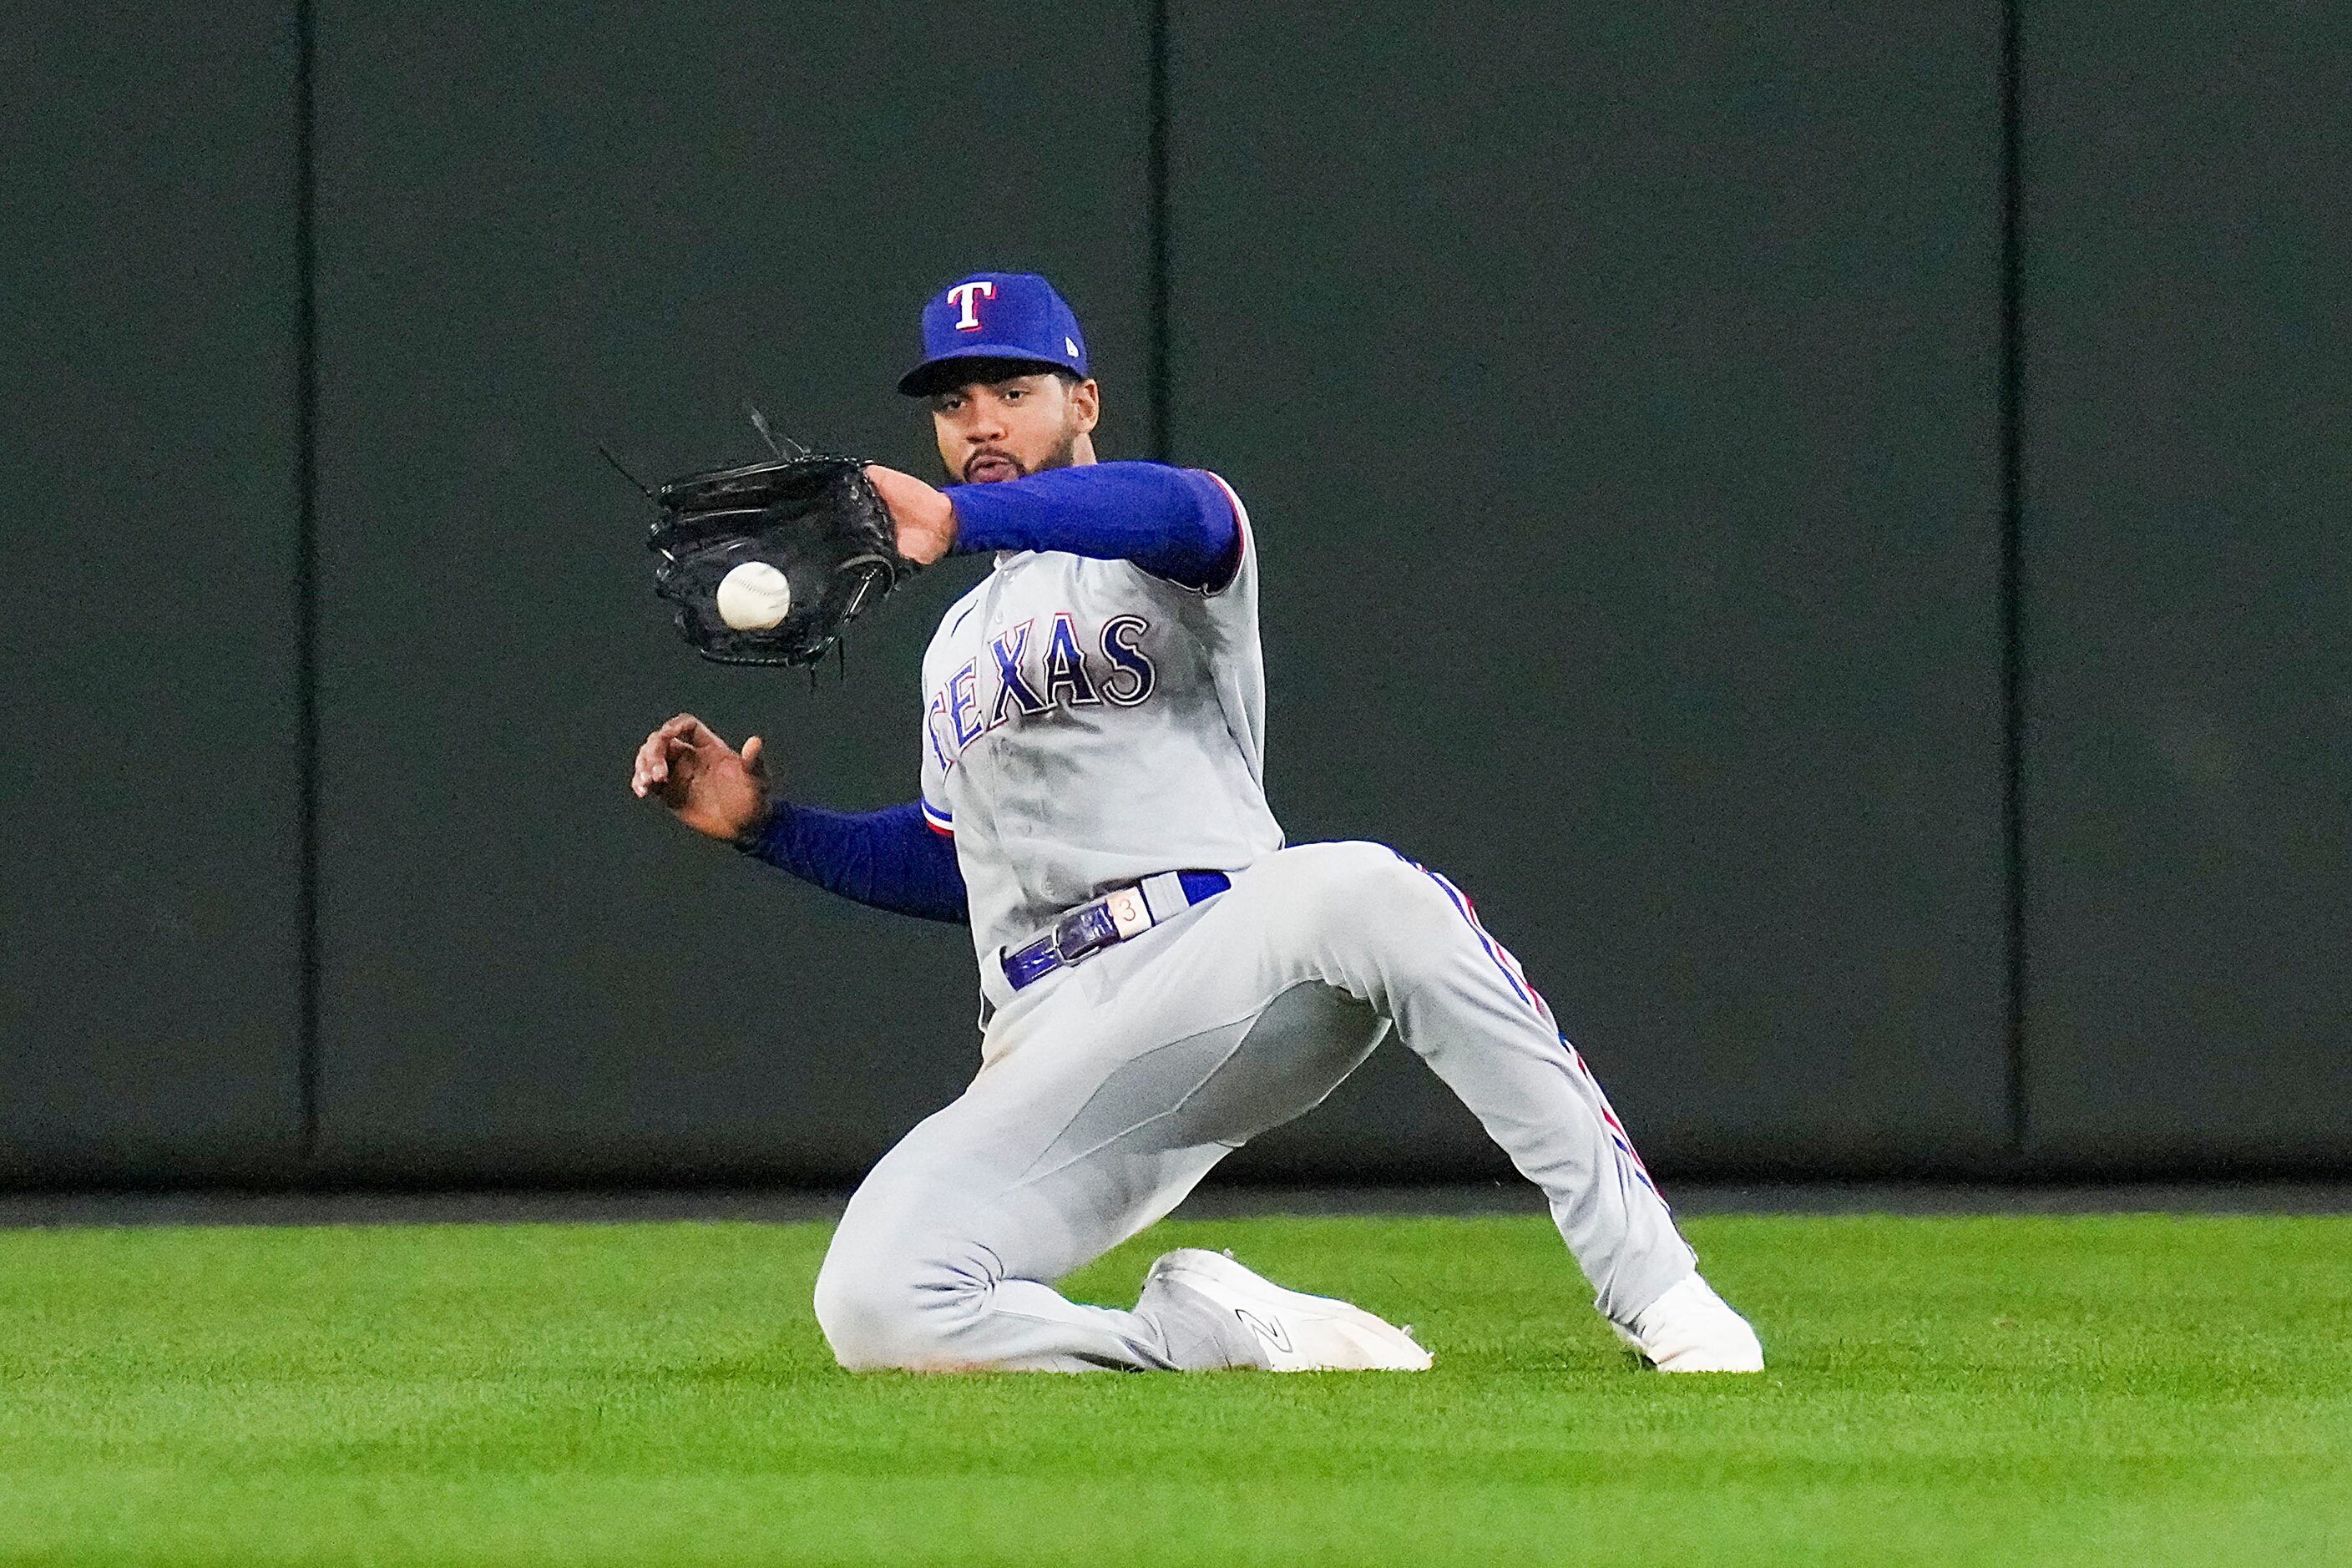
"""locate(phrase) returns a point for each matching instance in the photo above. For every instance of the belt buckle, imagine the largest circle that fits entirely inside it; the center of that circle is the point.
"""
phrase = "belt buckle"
(1112, 917)
(1083, 931)
(1088, 928)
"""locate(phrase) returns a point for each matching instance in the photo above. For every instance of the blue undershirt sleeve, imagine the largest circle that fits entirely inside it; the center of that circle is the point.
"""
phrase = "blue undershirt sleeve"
(890, 859)
(1176, 523)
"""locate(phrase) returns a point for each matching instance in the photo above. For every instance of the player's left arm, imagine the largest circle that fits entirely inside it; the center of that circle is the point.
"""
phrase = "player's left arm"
(1181, 524)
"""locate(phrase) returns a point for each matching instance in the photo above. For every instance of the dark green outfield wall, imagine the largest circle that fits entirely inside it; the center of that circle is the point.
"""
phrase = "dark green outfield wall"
(2189, 583)
(152, 925)
(536, 230)
(1853, 582)
(1619, 396)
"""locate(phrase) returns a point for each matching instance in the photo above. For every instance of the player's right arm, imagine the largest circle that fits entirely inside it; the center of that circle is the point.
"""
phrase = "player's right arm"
(1180, 524)
(890, 859)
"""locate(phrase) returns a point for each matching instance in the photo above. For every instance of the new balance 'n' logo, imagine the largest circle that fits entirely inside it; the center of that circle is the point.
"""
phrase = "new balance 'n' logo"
(1272, 1333)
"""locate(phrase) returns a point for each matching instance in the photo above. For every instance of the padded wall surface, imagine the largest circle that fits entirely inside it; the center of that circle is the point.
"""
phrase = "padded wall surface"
(149, 921)
(1616, 391)
(544, 228)
(2189, 444)
(1616, 395)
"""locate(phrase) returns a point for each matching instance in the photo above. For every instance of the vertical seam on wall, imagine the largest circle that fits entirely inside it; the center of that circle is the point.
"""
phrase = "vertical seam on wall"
(2013, 562)
(305, 446)
(1156, 223)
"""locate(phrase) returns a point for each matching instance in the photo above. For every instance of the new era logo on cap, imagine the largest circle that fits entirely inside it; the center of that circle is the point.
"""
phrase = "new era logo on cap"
(995, 315)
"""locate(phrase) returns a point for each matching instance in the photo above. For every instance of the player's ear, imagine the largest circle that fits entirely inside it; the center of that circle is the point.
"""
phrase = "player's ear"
(1085, 406)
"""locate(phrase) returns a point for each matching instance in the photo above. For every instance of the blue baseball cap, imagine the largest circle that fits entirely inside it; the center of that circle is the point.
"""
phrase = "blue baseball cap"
(995, 315)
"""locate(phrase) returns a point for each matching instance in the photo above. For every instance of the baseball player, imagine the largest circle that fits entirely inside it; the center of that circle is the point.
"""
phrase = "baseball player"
(1161, 978)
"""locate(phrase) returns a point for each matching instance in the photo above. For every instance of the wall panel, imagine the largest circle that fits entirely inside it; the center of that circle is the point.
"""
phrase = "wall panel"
(2188, 448)
(150, 920)
(1616, 391)
(544, 228)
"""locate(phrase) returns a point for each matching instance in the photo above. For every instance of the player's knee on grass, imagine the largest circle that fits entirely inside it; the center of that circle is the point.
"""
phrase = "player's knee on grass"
(881, 1311)
(866, 1315)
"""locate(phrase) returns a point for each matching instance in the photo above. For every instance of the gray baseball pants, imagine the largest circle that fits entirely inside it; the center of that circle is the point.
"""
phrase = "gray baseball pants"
(1112, 1087)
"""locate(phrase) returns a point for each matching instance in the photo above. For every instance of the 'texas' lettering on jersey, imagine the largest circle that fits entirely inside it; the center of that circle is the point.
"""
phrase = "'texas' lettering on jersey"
(1030, 671)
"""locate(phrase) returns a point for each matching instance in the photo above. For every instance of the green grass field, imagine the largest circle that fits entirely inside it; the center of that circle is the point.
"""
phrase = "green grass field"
(2139, 1390)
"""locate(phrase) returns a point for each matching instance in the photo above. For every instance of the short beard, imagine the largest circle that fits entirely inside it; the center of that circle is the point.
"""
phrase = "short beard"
(1065, 456)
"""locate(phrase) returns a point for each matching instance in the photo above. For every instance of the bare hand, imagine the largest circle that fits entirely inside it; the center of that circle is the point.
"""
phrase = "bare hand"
(711, 787)
(926, 518)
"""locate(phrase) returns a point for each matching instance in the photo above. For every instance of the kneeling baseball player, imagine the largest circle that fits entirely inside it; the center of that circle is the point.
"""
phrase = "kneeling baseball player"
(1162, 980)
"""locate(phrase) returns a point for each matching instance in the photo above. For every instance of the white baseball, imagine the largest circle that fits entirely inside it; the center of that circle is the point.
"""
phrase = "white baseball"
(754, 597)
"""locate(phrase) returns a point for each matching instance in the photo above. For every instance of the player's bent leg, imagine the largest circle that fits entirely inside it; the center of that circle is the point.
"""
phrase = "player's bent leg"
(1092, 1130)
(1110, 1095)
(940, 1262)
(1411, 943)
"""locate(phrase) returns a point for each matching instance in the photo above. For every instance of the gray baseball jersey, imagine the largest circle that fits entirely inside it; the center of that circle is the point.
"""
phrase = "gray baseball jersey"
(1088, 725)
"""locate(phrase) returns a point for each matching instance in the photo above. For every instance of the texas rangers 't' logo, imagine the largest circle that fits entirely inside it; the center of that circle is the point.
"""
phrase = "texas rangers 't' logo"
(967, 297)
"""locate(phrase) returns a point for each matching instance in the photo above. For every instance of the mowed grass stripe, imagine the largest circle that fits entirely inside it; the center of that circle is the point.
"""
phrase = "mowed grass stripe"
(2134, 1389)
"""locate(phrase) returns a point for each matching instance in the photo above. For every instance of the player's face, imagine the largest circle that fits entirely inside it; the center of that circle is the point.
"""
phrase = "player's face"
(1003, 429)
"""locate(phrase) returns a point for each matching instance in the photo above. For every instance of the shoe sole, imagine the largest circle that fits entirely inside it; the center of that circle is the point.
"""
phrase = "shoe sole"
(1685, 1366)
(1372, 1344)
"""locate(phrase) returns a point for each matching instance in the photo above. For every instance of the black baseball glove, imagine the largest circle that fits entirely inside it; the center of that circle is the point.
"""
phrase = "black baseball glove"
(814, 519)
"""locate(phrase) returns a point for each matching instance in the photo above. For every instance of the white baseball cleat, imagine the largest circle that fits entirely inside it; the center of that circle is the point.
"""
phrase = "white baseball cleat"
(1293, 1330)
(1690, 1329)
